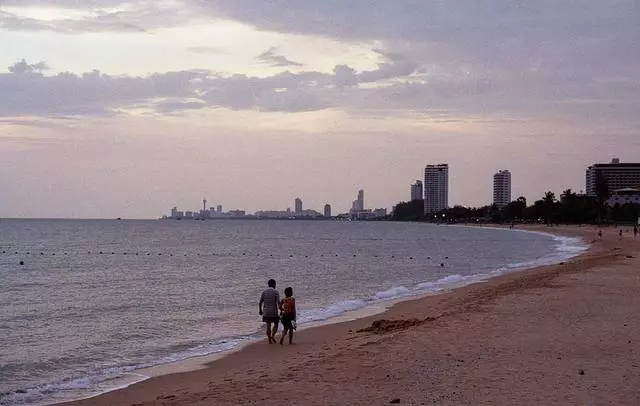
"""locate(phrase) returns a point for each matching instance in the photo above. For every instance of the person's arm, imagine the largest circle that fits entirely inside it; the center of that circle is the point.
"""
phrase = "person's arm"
(293, 302)
(260, 304)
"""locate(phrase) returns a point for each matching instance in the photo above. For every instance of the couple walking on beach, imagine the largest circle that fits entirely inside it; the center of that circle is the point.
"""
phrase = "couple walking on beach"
(273, 310)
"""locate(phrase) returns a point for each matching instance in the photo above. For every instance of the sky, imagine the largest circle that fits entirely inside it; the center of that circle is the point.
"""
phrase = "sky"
(126, 108)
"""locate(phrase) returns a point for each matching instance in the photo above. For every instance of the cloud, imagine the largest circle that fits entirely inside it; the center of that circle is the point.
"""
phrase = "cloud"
(272, 58)
(27, 91)
(23, 67)
(206, 50)
(98, 16)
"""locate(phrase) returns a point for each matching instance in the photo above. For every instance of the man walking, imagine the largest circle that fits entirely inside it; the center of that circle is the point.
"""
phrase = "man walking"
(268, 309)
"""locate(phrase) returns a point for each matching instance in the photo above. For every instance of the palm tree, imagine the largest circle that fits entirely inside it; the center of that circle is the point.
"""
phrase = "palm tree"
(602, 194)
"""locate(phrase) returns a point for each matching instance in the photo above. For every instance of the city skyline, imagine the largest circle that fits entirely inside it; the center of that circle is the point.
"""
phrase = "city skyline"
(260, 100)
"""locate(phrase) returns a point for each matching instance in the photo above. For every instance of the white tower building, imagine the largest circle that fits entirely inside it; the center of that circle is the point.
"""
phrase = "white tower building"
(436, 188)
(502, 188)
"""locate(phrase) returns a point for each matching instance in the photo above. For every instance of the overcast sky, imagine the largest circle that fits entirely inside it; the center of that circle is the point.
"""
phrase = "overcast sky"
(116, 108)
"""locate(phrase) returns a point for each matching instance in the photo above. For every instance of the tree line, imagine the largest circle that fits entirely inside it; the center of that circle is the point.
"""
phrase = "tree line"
(569, 208)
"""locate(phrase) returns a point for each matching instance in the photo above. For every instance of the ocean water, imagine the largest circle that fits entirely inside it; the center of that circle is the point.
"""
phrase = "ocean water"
(96, 301)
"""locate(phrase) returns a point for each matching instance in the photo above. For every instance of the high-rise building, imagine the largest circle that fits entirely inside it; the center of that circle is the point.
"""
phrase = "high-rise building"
(219, 209)
(298, 205)
(327, 210)
(417, 191)
(502, 188)
(358, 204)
(436, 188)
(617, 175)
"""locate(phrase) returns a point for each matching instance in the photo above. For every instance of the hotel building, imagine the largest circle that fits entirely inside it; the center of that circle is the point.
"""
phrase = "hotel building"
(618, 176)
(502, 188)
(436, 188)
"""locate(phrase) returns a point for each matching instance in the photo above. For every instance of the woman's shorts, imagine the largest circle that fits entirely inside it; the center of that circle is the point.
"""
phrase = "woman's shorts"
(287, 322)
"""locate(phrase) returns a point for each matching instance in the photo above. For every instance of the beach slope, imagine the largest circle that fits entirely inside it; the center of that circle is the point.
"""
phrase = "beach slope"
(562, 334)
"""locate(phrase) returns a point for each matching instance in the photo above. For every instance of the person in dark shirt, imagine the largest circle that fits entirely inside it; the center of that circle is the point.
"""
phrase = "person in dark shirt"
(288, 309)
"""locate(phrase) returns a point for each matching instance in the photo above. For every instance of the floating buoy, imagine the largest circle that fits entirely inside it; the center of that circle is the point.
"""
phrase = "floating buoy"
(446, 257)
(21, 262)
(410, 257)
(393, 256)
(442, 265)
(124, 253)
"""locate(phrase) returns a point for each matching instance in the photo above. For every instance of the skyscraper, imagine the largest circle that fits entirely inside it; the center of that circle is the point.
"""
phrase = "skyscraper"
(417, 192)
(298, 206)
(327, 210)
(502, 188)
(358, 204)
(436, 188)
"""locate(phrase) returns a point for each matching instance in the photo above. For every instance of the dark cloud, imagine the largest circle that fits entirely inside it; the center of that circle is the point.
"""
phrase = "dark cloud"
(272, 58)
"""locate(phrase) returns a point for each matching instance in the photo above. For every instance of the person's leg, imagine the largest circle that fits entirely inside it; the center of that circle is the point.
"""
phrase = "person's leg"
(275, 330)
(269, 331)
(290, 337)
(284, 333)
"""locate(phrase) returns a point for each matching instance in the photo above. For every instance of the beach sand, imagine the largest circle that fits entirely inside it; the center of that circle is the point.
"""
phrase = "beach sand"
(562, 334)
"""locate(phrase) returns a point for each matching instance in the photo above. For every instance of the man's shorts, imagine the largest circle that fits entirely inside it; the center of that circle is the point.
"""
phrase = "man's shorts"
(269, 319)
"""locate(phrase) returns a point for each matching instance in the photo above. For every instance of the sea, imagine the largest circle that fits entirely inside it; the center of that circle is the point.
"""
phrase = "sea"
(86, 306)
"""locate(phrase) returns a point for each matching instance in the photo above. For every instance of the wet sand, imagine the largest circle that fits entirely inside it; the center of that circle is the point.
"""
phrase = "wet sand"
(561, 334)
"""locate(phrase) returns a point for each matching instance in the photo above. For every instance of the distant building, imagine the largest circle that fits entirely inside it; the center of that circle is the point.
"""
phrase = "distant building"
(436, 188)
(327, 210)
(298, 206)
(174, 213)
(617, 175)
(188, 214)
(417, 192)
(358, 204)
(380, 212)
(502, 188)
(237, 213)
(219, 209)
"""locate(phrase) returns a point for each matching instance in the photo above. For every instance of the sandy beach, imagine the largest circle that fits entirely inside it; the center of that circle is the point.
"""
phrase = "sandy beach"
(561, 334)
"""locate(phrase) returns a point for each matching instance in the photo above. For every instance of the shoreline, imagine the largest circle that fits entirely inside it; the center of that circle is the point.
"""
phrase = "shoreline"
(391, 308)
(374, 308)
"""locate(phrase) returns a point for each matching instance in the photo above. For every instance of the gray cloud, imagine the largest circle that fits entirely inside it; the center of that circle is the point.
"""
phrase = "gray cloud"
(504, 57)
(102, 16)
(272, 58)
(28, 92)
